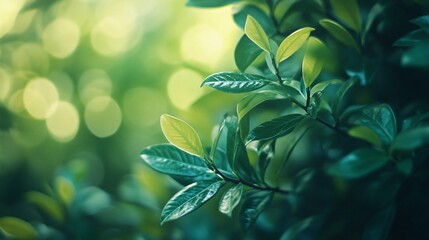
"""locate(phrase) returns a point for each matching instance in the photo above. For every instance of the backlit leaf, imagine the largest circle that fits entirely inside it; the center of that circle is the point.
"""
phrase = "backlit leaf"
(15, 228)
(230, 199)
(313, 62)
(292, 43)
(47, 204)
(257, 34)
(232, 82)
(367, 134)
(181, 135)
(240, 17)
(189, 199)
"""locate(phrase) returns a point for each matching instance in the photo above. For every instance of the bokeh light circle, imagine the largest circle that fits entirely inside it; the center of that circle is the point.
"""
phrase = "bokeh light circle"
(63, 124)
(103, 116)
(40, 98)
(184, 88)
(61, 37)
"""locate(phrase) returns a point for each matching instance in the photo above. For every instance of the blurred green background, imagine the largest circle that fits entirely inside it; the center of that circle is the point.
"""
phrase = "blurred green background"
(82, 86)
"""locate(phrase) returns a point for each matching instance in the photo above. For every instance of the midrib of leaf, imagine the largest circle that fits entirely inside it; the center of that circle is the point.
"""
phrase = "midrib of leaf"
(380, 126)
(185, 139)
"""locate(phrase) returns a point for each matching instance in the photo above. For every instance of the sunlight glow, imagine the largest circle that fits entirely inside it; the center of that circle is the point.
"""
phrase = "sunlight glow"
(40, 98)
(184, 88)
(63, 124)
(103, 116)
(61, 37)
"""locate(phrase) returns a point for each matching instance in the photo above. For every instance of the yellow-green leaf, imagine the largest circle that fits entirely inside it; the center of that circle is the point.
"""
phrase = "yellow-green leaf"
(256, 33)
(348, 12)
(339, 33)
(181, 135)
(292, 43)
(65, 190)
(16, 228)
(47, 204)
(313, 62)
(367, 134)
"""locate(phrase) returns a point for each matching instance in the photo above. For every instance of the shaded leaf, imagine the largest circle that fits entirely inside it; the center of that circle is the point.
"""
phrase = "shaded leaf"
(339, 33)
(209, 3)
(275, 128)
(378, 226)
(169, 159)
(266, 154)
(189, 199)
(416, 56)
(411, 140)
(313, 62)
(348, 12)
(422, 22)
(257, 34)
(292, 43)
(181, 135)
(16, 228)
(338, 101)
(240, 17)
(319, 87)
(253, 204)
(359, 163)
(232, 82)
(245, 53)
(411, 39)
(230, 199)
(252, 100)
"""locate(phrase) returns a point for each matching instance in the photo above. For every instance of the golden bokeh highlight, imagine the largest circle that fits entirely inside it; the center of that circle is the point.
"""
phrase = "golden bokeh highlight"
(94, 83)
(40, 98)
(103, 116)
(183, 88)
(61, 37)
(63, 123)
(8, 12)
(5, 84)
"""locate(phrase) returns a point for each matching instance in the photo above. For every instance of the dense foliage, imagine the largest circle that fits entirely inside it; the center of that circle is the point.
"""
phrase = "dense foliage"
(331, 140)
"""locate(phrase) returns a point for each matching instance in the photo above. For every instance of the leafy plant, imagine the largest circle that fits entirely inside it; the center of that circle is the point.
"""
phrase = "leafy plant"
(310, 62)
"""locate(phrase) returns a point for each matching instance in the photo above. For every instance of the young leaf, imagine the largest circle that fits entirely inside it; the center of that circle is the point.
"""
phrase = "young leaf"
(189, 199)
(348, 12)
(15, 228)
(181, 135)
(231, 82)
(245, 53)
(367, 134)
(240, 17)
(339, 33)
(252, 100)
(254, 203)
(381, 120)
(292, 43)
(275, 128)
(257, 34)
(359, 163)
(337, 102)
(319, 87)
(169, 159)
(209, 3)
(230, 199)
(312, 63)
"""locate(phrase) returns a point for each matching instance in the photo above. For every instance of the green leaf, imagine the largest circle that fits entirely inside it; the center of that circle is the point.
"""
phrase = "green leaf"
(181, 135)
(65, 190)
(319, 87)
(422, 22)
(411, 39)
(379, 225)
(169, 159)
(315, 102)
(15, 228)
(405, 166)
(242, 165)
(209, 3)
(252, 100)
(359, 163)
(312, 63)
(245, 53)
(416, 56)
(257, 34)
(266, 154)
(47, 204)
(348, 12)
(230, 199)
(253, 204)
(367, 134)
(275, 128)
(292, 43)
(240, 17)
(380, 119)
(411, 140)
(338, 101)
(232, 82)
(189, 199)
(339, 33)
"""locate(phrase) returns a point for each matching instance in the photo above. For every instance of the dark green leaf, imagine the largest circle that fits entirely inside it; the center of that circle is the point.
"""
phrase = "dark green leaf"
(230, 199)
(189, 199)
(339, 33)
(209, 3)
(266, 23)
(222, 164)
(319, 87)
(275, 128)
(412, 38)
(266, 154)
(254, 99)
(231, 82)
(253, 204)
(299, 229)
(411, 140)
(348, 12)
(168, 159)
(245, 53)
(359, 163)
(417, 56)
(378, 226)
(415, 121)
(423, 22)
(380, 119)
(405, 166)
(315, 102)
(338, 101)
